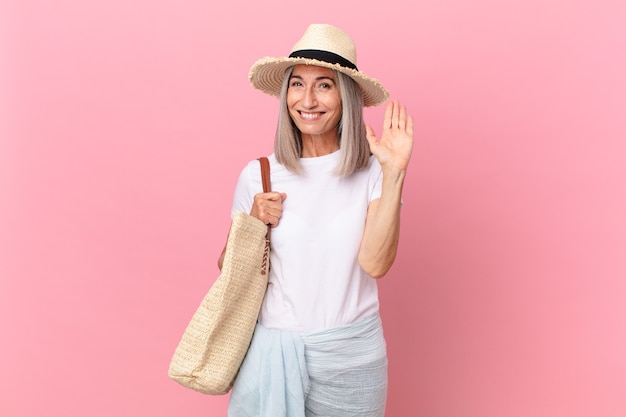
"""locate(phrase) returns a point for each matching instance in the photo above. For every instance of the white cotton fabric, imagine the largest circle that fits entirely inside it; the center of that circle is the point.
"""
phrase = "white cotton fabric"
(315, 281)
(336, 372)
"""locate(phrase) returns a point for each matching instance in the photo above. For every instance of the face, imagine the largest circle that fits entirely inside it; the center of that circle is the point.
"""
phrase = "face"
(314, 101)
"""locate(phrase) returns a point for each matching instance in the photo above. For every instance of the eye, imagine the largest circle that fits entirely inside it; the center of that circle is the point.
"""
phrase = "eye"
(295, 83)
(325, 86)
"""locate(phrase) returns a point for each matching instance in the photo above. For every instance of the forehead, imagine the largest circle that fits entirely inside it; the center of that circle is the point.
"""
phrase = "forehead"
(313, 71)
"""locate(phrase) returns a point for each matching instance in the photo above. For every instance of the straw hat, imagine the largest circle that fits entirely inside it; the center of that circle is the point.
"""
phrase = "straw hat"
(324, 46)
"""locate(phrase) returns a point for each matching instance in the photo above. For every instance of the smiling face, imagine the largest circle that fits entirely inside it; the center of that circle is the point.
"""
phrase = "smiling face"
(314, 102)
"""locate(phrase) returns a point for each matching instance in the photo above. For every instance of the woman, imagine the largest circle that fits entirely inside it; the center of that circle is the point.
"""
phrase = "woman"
(318, 349)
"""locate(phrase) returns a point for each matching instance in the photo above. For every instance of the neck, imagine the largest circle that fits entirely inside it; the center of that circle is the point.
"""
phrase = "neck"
(313, 146)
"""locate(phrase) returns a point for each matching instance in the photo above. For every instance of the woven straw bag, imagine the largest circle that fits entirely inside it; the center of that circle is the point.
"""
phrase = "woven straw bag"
(215, 342)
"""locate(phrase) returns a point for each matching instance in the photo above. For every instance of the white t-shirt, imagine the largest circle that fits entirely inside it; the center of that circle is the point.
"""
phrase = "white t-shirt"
(315, 280)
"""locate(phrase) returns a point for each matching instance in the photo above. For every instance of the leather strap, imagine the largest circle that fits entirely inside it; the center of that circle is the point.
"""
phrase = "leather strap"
(265, 174)
(267, 185)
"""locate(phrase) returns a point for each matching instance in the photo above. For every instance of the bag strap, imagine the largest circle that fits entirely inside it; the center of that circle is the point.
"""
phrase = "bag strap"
(267, 185)
(265, 174)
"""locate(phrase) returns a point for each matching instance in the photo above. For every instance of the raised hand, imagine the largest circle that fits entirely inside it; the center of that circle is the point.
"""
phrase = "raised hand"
(394, 148)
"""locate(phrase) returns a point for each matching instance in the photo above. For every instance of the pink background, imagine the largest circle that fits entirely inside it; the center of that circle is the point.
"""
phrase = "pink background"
(124, 125)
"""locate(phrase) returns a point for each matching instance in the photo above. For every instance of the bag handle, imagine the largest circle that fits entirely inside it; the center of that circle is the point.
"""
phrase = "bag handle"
(267, 185)
(265, 174)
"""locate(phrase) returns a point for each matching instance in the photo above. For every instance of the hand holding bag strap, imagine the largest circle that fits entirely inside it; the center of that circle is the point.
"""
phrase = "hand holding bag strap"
(267, 185)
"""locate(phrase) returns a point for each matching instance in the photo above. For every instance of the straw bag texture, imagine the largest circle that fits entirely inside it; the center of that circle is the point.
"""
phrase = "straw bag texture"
(215, 342)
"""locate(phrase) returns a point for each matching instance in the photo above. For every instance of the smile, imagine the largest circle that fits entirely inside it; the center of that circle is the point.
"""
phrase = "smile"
(310, 116)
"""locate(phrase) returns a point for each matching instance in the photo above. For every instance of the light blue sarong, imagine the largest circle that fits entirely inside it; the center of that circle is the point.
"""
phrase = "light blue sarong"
(335, 372)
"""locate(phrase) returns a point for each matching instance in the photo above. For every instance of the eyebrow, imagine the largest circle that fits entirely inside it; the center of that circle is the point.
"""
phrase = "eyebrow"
(322, 77)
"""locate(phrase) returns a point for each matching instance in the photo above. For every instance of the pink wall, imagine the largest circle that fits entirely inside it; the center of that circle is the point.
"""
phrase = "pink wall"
(124, 126)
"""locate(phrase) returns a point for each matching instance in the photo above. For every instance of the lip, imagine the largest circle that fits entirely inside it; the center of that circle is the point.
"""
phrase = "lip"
(310, 116)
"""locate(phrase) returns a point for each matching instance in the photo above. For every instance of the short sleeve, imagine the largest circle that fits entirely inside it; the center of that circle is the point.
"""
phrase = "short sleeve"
(248, 184)
(375, 179)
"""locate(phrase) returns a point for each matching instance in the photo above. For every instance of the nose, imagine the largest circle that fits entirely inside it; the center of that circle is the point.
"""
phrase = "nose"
(309, 100)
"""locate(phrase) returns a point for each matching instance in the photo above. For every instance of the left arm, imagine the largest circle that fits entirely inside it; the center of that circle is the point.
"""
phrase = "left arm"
(379, 244)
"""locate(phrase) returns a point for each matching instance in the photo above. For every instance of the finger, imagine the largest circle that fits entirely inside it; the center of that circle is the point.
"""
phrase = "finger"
(387, 116)
(273, 217)
(409, 125)
(270, 217)
(402, 117)
(395, 114)
(370, 134)
(273, 196)
(273, 208)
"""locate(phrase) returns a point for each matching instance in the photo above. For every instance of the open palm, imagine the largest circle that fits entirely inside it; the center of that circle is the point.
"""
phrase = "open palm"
(394, 148)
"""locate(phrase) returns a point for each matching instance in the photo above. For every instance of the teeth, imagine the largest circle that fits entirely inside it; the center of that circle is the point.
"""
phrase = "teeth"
(309, 115)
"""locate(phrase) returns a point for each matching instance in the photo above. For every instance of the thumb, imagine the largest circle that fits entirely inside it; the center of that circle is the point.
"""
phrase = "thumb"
(283, 196)
(370, 134)
(371, 138)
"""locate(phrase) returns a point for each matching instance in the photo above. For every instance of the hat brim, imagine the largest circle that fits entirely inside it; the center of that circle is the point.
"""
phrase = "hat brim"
(267, 75)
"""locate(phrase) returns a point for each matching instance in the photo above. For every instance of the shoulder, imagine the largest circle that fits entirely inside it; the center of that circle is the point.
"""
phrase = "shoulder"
(251, 171)
(253, 166)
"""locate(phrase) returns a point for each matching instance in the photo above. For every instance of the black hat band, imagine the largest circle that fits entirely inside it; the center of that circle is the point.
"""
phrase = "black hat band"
(323, 56)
